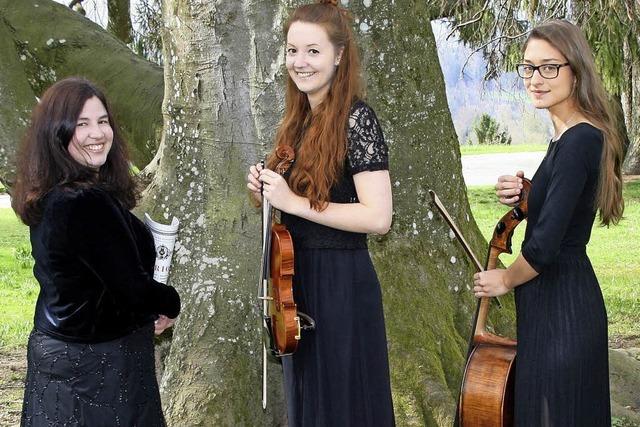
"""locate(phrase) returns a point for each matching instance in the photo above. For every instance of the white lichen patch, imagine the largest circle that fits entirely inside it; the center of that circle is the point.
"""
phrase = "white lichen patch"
(453, 260)
(430, 215)
(452, 235)
(182, 253)
(50, 42)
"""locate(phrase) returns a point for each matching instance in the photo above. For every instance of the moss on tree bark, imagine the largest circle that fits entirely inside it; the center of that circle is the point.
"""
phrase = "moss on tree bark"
(42, 42)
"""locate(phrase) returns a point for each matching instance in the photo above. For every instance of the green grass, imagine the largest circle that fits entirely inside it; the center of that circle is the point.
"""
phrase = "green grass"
(18, 288)
(492, 149)
(613, 252)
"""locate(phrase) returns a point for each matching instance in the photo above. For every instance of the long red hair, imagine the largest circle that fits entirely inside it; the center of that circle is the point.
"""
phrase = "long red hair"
(319, 138)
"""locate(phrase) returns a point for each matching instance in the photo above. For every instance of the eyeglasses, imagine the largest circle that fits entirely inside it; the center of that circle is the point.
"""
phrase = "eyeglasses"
(547, 71)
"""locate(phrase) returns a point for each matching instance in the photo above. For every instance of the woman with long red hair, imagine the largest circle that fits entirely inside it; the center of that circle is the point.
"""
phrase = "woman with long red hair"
(337, 191)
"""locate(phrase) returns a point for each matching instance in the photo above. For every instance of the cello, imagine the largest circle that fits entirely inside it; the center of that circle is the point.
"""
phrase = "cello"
(281, 321)
(486, 394)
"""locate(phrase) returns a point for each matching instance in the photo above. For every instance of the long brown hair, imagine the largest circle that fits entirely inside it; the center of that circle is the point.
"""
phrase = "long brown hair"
(44, 160)
(319, 138)
(592, 102)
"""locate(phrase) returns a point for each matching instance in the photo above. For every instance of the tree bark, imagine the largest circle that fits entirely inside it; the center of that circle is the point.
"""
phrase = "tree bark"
(223, 86)
(35, 54)
(631, 164)
(220, 111)
(120, 20)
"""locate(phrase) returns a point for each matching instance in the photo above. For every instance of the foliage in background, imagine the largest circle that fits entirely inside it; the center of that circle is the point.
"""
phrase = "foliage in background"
(497, 28)
(489, 132)
(147, 40)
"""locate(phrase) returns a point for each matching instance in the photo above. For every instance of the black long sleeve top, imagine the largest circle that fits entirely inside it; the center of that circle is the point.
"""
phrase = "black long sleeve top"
(94, 263)
(562, 199)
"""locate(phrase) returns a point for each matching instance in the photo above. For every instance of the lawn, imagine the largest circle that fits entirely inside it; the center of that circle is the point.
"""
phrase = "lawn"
(18, 288)
(494, 149)
(613, 252)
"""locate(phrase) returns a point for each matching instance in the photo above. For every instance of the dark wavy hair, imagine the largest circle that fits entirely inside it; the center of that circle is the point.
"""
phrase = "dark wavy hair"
(44, 160)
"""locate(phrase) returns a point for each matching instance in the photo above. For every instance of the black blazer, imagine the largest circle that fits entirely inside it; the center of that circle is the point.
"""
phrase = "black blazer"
(94, 263)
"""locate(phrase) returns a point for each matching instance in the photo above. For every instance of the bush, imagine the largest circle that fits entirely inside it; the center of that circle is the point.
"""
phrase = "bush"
(488, 131)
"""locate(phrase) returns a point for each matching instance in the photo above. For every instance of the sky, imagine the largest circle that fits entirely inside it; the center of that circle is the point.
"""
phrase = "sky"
(97, 9)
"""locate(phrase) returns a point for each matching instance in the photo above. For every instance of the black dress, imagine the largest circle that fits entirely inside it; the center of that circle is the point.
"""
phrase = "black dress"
(562, 372)
(91, 356)
(339, 375)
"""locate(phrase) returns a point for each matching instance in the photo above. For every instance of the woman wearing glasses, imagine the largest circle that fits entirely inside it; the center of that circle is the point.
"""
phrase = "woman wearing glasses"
(562, 375)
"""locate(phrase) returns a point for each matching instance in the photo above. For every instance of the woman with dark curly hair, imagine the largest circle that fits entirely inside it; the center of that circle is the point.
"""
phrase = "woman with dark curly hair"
(90, 354)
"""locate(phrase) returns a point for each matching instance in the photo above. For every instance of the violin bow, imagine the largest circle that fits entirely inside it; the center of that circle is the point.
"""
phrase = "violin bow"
(264, 286)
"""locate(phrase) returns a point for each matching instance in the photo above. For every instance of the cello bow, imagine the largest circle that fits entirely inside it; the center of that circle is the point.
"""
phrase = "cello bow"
(486, 395)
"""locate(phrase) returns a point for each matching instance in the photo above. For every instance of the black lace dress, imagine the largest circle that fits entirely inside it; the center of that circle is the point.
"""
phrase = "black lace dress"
(339, 375)
(562, 373)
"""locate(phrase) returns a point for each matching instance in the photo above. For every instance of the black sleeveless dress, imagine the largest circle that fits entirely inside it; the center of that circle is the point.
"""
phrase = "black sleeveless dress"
(562, 371)
(339, 375)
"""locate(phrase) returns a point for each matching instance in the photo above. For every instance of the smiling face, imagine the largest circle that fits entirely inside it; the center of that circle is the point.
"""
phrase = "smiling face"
(93, 135)
(311, 60)
(552, 94)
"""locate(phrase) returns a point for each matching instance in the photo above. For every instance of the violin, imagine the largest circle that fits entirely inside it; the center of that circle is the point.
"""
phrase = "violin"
(486, 394)
(280, 320)
(277, 274)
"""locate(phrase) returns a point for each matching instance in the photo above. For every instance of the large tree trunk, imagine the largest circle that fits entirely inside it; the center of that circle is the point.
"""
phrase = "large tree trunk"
(120, 20)
(425, 275)
(35, 53)
(631, 164)
(220, 110)
(223, 99)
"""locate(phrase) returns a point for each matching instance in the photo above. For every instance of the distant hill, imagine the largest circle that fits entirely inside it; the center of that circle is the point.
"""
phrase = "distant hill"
(469, 95)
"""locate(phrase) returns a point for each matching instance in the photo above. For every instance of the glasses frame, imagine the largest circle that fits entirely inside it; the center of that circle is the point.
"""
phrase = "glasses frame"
(537, 68)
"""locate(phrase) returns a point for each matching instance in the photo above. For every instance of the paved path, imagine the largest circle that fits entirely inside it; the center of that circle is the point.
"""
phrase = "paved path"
(481, 169)
(484, 169)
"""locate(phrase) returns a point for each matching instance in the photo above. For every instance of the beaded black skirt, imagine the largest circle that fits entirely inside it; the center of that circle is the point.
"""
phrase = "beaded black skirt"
(106, 384)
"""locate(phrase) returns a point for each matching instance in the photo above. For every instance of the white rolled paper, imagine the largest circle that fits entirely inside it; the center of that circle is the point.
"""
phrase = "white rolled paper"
(164, 237)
